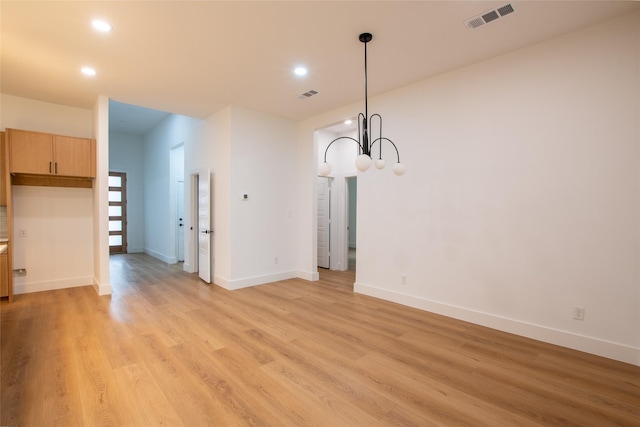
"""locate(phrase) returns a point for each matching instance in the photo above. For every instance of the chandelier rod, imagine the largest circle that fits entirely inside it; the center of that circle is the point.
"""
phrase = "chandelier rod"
(366, 38)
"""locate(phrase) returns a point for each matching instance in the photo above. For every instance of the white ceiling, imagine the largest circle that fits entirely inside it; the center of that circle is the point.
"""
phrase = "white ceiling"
(133, 119)
(194, 58)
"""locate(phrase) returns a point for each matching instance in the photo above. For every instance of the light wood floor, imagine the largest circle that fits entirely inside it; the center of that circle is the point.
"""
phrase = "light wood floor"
(166, 349)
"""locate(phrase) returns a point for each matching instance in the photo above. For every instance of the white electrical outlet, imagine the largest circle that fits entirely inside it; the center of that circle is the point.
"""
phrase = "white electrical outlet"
(578, 312)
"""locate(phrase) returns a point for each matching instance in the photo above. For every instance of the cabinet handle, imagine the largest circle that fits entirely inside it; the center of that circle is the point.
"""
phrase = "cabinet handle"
(49, 167)
(56, 168)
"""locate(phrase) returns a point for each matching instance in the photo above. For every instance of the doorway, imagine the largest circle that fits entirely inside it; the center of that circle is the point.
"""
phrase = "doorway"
(336, 223)
(180, 216)
(117, 213)
(324, 222)
(342, 195)
(352, 214)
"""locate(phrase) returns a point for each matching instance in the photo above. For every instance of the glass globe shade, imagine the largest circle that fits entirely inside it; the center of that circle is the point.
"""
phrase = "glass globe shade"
(363, 162)
(380, 164)
(324, 169)
(399, 169)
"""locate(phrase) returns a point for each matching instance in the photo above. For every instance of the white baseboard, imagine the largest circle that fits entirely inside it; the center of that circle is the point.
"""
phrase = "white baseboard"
(72, 282)
(308, 275)
(571, 340)
(102, 288)
(232, 285)
(161, 257)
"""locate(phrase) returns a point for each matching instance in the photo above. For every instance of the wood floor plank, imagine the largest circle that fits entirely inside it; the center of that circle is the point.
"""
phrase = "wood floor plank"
(150, 403)
(167, 349)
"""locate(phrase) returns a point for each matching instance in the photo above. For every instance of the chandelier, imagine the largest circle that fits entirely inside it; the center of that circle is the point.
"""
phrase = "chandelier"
(366, 138)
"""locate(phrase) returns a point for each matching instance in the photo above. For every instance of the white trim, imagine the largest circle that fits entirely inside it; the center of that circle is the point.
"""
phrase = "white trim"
(72, 282)
(102, 289)
(157, 255)
(188, 268)
(567, 339)
(312, 276)
(252, 281)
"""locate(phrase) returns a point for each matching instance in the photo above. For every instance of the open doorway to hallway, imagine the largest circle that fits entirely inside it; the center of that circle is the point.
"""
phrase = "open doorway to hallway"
(337, 198)
(352, 207)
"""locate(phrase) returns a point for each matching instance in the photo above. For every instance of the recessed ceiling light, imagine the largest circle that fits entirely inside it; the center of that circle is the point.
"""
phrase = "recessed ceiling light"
(300, 71)
(101, 26)
(88, 71)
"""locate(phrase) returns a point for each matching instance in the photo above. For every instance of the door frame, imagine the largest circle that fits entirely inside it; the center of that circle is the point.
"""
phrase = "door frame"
(192, 247)
(328, 181)
(180, 229)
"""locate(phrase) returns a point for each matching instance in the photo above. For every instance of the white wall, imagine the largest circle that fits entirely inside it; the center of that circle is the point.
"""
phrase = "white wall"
(55, 220)
(521, 196)
(263, 165)
(126, 155)
(58, 249)
(217, 147)
(253, 153)
(102, 273)
(28, 114)
(159, 229)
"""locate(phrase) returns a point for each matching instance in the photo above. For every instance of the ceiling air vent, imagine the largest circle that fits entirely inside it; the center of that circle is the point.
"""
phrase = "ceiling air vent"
(490, 16)
(308, 94)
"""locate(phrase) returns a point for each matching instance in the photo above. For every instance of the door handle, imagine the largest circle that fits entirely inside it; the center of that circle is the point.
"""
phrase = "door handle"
(206, 231)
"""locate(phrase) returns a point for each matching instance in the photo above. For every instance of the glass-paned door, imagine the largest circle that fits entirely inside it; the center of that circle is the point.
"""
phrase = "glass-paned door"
(117, 212)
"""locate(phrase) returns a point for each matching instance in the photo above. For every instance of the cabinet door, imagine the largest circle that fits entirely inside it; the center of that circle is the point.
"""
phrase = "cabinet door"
(30, 152)
(72, 156)
(4, 276)
(3, 170)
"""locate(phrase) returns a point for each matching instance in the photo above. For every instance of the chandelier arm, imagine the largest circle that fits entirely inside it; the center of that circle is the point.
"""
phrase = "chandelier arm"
(380, 132)
(382, 138)
(338, 138)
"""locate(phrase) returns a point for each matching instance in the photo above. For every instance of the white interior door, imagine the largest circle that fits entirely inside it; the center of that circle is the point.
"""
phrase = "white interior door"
(180, 215)
(204, 227)
(324, 222)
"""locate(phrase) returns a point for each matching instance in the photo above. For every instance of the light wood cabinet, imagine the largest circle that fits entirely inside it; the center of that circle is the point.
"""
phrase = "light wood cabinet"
(4, 275)
(3, 170)
(73, 156)
(37, 153)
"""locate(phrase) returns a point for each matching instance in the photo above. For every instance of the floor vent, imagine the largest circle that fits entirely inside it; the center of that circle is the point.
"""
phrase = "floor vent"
(490, 16)
(308, 94)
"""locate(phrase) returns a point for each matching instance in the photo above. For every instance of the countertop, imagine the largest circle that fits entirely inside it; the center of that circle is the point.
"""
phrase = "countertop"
(3, 248)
